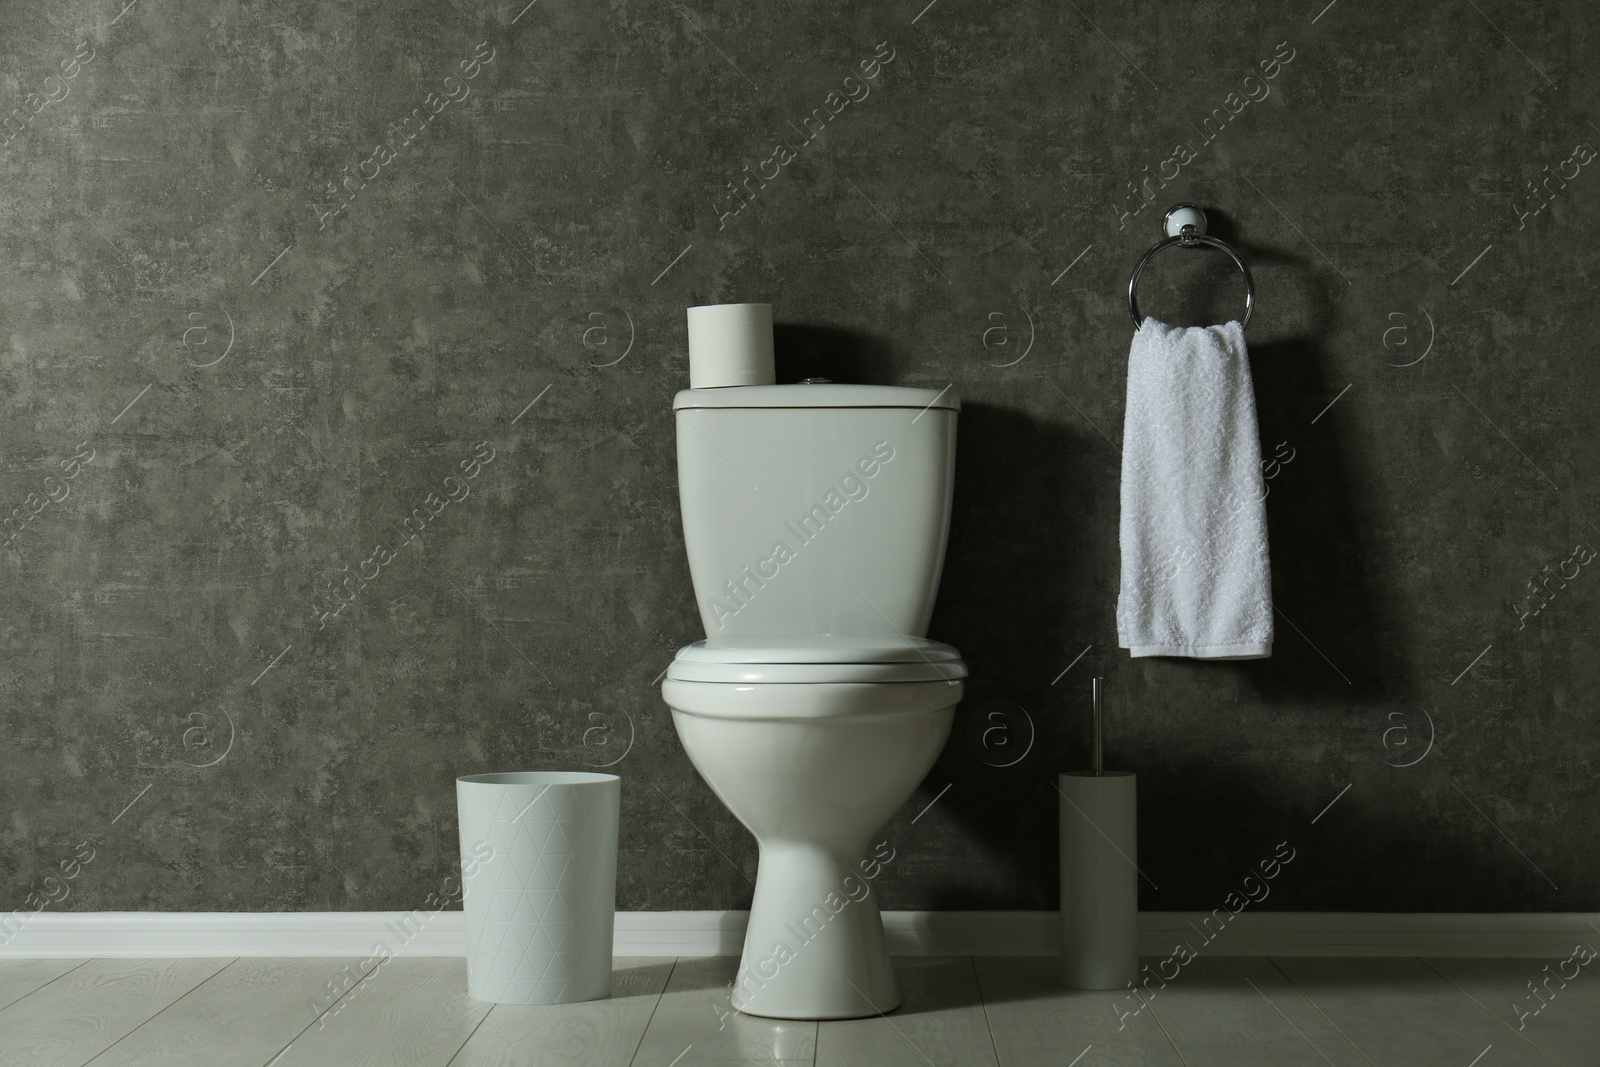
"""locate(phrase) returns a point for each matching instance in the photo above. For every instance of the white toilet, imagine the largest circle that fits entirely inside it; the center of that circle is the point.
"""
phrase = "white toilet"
(815, 518)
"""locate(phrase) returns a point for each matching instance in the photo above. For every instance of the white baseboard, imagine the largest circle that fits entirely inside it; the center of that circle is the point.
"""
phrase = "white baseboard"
(721, 933)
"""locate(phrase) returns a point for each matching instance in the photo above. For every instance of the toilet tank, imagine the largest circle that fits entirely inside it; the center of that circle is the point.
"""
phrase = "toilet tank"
(816, 508)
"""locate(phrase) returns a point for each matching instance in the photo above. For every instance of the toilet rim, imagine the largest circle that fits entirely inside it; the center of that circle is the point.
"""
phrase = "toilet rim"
(817, 673)
(816, 659)
(811, 701)
(817, 648)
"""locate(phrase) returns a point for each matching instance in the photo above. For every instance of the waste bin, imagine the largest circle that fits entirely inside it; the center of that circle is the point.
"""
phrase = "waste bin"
(539, 884)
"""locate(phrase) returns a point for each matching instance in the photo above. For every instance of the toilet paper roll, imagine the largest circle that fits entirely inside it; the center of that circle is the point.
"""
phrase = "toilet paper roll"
(1099, 882)
(730, 344)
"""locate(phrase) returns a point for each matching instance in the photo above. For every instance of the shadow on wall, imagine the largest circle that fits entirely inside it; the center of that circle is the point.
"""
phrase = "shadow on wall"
(1335, 645)
(1023, 592)
(1017, 581)
(1332, 643)
(805, 351)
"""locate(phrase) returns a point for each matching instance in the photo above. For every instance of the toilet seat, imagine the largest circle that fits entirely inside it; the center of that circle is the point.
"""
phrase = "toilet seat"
(814, 658)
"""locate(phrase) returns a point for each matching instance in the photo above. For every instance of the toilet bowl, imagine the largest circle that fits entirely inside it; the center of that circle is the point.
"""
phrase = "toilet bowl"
(813, 755)
(814, 519)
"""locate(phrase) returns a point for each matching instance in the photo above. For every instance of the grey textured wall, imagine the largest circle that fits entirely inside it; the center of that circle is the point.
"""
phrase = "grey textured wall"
(273, 273)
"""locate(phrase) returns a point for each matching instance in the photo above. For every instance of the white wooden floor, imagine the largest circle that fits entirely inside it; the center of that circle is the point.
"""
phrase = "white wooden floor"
(958, 1011)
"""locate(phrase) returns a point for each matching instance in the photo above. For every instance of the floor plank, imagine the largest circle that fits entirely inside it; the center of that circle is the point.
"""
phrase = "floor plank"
(1567, 1026)
(89, 1008)
(242, 1017)
(695, 1021)
(1037, 1022)
(940, 1021)
(994, 1011)
(18, 978)
(1232, 1011)
(595, 1033)
(1399, 1013)
(408, 1012)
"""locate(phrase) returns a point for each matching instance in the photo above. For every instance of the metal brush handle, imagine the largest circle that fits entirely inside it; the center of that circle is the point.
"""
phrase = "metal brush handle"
(1099, 731)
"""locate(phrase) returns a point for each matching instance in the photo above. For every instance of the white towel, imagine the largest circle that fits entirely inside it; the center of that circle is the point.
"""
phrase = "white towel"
(1195, 575)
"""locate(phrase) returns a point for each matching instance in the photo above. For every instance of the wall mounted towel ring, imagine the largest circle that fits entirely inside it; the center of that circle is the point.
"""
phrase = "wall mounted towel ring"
(1186, 225)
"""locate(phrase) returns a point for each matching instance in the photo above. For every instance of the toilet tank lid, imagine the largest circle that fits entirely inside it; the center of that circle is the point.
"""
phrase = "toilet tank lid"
(818, 395)
(817, 648)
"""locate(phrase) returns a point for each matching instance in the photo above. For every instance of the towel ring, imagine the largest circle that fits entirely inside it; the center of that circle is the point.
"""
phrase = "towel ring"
(1186, 225)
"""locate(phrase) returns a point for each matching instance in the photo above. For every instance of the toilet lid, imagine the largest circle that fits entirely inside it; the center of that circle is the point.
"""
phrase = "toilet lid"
(817, 658)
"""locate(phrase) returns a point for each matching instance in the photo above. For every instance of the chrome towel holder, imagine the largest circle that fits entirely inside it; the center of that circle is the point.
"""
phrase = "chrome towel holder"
(1186, 226)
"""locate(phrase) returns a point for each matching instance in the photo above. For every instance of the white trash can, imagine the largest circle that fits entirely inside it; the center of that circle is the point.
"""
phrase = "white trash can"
(539, 884)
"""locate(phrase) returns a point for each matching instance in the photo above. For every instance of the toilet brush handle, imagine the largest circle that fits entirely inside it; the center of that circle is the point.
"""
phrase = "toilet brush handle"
(1099, 726)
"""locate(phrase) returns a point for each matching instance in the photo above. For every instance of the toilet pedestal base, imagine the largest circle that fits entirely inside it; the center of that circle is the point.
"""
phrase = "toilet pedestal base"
(815, 947)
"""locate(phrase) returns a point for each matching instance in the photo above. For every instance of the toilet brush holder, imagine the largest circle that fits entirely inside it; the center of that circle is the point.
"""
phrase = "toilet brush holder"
(1099, 876)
